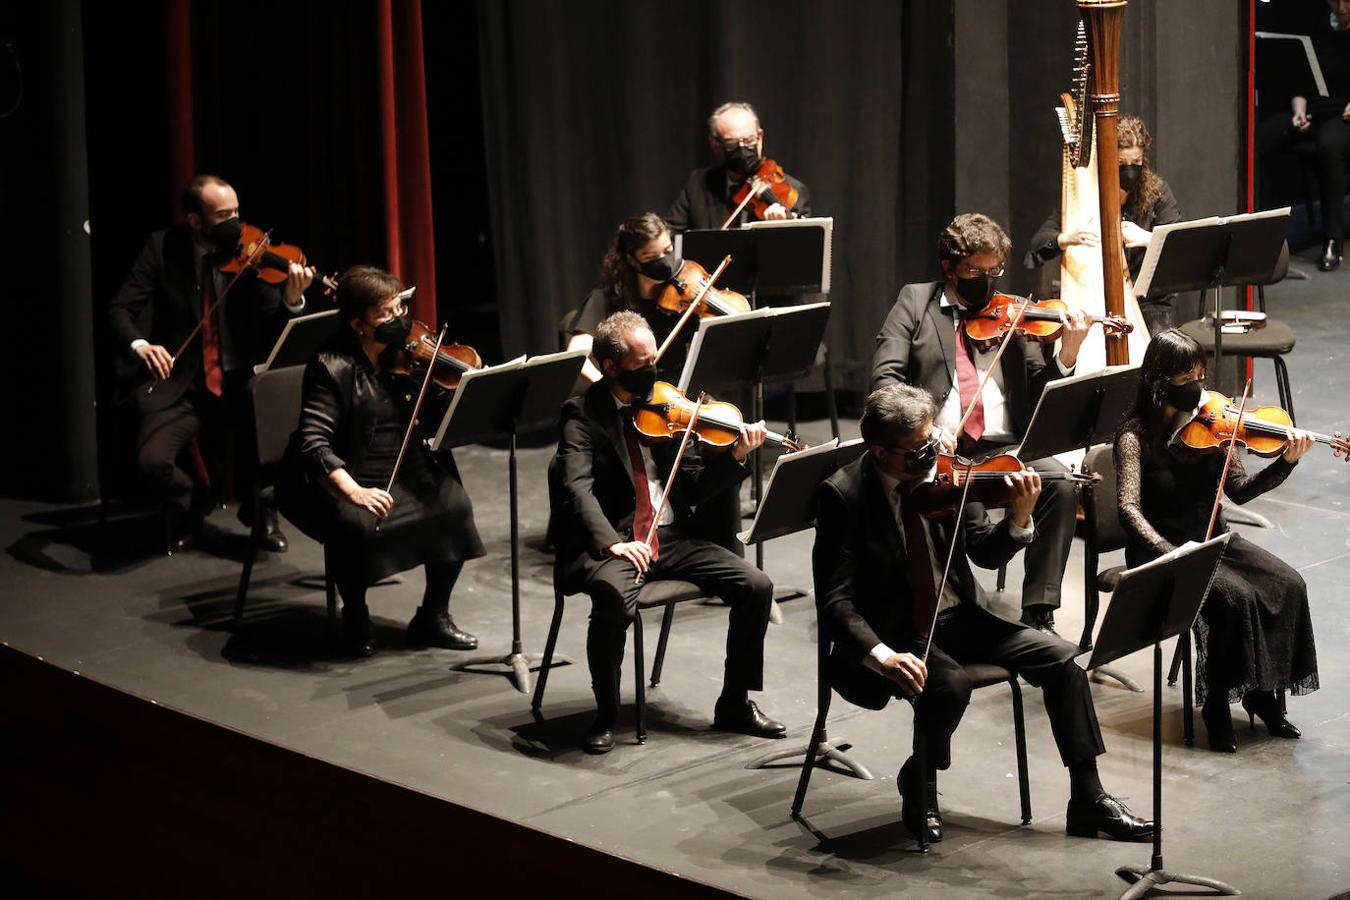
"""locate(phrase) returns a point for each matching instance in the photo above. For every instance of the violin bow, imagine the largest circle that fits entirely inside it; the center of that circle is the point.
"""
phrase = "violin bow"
(412, 419)
(220, 301)
(965, 488)
(1228, 461)
(757, 184)
(674, 470)
(691, 309)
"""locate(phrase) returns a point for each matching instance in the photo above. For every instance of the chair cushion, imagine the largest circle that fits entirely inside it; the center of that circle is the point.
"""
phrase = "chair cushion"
(659, 593)
(1107, 579)
(985, 674)
(1275, 339)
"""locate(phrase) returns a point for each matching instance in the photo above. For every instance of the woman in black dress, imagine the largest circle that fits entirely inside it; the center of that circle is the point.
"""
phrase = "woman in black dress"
(1254, 636)
(353, 417)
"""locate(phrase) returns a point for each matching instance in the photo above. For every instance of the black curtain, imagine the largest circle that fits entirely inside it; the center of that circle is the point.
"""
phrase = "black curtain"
(596, 110)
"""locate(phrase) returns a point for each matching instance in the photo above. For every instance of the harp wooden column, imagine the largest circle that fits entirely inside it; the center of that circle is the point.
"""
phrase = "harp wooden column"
(1103, 20)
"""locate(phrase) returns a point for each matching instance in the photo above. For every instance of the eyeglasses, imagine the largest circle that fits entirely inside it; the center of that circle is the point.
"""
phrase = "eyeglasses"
(964, 270)
(730, 145)
(920, 456)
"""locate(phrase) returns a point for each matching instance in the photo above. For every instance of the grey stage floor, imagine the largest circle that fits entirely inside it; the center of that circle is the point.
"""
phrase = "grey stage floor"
(1273, 819)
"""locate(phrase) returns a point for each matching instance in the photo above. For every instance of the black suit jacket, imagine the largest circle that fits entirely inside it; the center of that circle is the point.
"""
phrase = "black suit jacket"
(702, 202)
(917, 345)
(161, 303)
(591, 486)
(863, 591)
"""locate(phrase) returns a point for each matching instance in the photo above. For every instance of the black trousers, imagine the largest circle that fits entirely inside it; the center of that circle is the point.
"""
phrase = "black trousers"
(721, 573)
(1331, 138)
(1054, 517)
(972, 634)
(225, 426)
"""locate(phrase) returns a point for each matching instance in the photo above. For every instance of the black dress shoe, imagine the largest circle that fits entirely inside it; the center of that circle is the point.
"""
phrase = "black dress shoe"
(910, 805)
(437, 629)
(1264, 706)
(1040, 617)
(600, 738)
(1106, 815)
(1331, 255)
(1219, 726)
(744, 716)
(357, 641)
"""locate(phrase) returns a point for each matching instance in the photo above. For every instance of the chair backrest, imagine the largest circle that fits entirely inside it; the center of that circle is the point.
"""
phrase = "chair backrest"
(276, 410)
(1110, 533)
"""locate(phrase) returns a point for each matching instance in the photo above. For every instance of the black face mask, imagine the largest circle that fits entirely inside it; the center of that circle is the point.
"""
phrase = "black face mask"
(393, 332)
(638, 382)
(975, 292)
(744, 161)
(224, 236)
(1130, 176)
(1185, 397)
(919, 460)
(663, 268)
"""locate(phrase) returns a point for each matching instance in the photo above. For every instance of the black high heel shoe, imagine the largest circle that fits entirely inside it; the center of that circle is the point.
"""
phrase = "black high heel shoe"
(1263, 705)
(1219, 726)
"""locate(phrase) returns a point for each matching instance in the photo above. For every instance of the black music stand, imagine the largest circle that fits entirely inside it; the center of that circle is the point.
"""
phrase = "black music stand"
(506, 401)
(300, 340)
(1152, 603)
(1077, 413)
(769, 344)
(1211, 254)
(789, 506)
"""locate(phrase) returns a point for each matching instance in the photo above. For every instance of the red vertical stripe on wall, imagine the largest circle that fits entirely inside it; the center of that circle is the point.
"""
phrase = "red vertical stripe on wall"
(182, 115)
(407, 152)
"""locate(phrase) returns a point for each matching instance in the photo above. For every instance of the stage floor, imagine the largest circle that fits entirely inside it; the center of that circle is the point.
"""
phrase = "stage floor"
(1273, 820)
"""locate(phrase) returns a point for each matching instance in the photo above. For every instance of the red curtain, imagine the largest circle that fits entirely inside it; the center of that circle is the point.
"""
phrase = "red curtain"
(182, 121)
(407, 156)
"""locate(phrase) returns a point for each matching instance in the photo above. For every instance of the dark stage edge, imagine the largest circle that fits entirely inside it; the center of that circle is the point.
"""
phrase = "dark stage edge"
(404, 730)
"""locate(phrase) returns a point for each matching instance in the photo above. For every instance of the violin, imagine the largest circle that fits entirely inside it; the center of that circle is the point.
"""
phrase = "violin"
(684, 288)
(418, 351)
(1039, 321)
(1264, 431)
(667, 413)
(766, 186)
(940, 497)
(271, 261)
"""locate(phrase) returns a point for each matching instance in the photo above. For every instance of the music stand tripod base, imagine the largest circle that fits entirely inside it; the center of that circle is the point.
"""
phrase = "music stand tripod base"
(1145, 879)
(1126, 681)
(825, 751)
(515, 665)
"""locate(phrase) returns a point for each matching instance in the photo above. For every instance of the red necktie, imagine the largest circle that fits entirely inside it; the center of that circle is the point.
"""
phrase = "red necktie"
(968, 382)
(920, 569)
(215, 375)
(644, 514)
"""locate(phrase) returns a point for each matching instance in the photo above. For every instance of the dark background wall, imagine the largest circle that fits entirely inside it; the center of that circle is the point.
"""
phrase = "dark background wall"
(548, 124)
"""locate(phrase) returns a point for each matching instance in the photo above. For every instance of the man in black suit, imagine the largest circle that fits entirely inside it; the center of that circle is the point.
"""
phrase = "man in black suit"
(204, 390)
(878, 577)
(605, 486)
(922, 343)
(737, 141)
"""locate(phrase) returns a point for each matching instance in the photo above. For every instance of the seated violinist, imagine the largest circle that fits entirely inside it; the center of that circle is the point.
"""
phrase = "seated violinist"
(878, 566)
(204, 390)
(353, 417)
(923, 343)
(737, 142)
(606, 488)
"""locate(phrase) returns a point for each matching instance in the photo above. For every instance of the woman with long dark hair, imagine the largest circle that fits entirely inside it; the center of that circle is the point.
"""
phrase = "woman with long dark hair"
(1254, 636)
(354, 414)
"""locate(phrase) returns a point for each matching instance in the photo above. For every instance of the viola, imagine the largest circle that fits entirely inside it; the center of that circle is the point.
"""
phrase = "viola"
(1039, 321)
(684, 289)
(766, 186)
(417, 352)
(271, 261)
(941, 497)
(1265, 431)
(667, 413)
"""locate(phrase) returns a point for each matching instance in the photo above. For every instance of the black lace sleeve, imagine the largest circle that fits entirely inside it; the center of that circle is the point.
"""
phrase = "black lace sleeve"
(1241, 487)
(1129, 451)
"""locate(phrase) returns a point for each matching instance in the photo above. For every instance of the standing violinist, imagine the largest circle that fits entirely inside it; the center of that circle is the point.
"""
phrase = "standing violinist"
(353, 418)
(1254, 636)
(605, 486)
(923, 343)
(204, 390)
(737, 142)
(878, 567)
